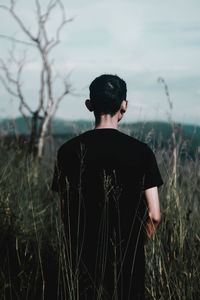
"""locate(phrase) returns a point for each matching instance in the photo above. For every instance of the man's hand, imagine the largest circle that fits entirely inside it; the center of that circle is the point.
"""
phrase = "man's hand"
(150, 228)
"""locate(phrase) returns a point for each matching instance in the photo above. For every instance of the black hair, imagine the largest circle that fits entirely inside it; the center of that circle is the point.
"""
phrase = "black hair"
(107, 93)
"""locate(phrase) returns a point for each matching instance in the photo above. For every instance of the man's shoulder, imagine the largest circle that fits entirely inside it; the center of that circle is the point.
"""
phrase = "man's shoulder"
(69, 144)
(134, 141)
(137, 146)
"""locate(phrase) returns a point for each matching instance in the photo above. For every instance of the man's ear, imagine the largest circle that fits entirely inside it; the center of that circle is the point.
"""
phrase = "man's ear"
(124, 106)
(89, 104)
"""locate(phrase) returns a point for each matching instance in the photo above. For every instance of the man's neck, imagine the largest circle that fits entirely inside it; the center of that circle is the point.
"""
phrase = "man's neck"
(106, 121)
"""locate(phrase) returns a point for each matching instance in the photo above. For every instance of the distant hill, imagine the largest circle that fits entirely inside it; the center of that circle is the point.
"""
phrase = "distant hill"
(59, 126)
(150, 132)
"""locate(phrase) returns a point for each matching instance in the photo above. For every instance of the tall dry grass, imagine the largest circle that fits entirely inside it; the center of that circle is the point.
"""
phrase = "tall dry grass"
(34, 262)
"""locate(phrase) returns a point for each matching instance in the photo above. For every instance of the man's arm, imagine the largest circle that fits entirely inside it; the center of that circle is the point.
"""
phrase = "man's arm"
(153, 204)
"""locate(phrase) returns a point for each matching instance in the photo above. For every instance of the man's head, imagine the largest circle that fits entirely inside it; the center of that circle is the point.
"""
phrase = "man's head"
(107, 95)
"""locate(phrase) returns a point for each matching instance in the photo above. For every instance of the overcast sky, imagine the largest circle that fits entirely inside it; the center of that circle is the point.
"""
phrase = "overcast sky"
(139, 40)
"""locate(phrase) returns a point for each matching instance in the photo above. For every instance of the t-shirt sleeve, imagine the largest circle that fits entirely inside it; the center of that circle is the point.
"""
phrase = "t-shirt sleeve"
(152, 176)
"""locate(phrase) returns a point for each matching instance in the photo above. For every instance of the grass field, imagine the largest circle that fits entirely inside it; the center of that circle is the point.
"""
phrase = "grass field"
(32, 256)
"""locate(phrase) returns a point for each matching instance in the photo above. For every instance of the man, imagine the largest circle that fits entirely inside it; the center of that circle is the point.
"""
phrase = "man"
(107, 182)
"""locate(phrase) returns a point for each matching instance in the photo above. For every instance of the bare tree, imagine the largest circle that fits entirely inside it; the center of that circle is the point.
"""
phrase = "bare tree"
(47, 103)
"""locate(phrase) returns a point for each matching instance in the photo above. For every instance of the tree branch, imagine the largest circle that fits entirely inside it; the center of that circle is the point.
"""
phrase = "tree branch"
(6, 72)
(19, 90)
(64, 21)
(50, 7)
(21, 24)
(42, 90)
(7, 87)
(59, 99)
(14, 40)
(11, 10)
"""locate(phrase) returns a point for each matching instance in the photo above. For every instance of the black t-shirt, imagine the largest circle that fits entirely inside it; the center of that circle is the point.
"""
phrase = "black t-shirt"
(101, 175)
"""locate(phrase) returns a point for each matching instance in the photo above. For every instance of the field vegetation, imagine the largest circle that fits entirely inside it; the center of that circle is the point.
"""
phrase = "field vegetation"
(32, 243)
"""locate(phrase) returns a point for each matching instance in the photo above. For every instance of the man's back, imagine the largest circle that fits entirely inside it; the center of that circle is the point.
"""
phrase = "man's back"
(101, 175)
